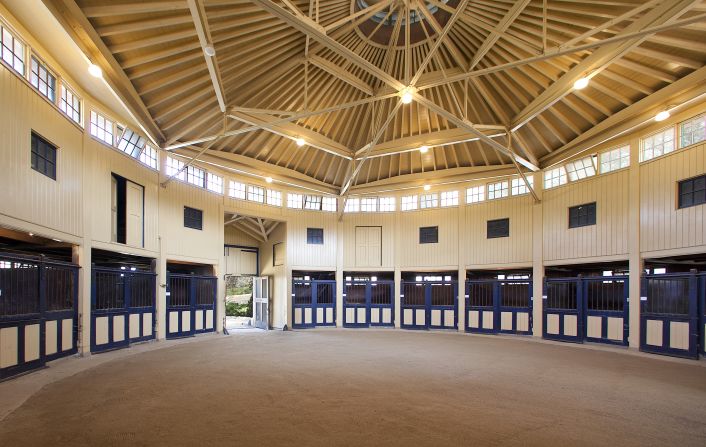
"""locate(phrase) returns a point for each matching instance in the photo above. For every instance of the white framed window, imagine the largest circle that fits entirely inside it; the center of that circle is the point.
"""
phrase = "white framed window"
(449, 198)
(195, 176)
(174, 166)
(657, 144)
(498, 190)
(312, 202)
(518, 186)
(352, 205)
(70, 104)
(581, 168)
(554, 177)
(42, 79)
(692, 131)
(214, 182)
(274, 198)
(329, 204)
(409, 203)
(131, 143)
(475, 194)
(369, 204)
(256, 194)
(101, 128)
(295, 200)
(13, 51)
(387, 204)
(430, 200)
(149, 156)
(236, 190)
(615, 159)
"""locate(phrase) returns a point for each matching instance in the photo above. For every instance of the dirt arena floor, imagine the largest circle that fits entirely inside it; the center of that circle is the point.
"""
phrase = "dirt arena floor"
(365, 387)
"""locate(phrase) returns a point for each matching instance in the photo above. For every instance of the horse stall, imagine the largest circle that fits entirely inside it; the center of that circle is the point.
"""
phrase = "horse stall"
(429, 300)
(123, 300)
(587, 303)
(368, 299)
(673, 306)
(38, 305)
(313, 299)
(191, 299)
(499, 302)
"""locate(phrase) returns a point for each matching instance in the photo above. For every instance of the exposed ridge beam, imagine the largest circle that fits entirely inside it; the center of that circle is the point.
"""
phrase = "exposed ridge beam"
(340, 73)
(495, 34)
(600, 59)
(201, 23)
(293, 131)
(77, 26)
(433, 139)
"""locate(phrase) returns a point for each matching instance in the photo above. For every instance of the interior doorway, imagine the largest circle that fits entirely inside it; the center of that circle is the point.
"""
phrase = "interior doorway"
(239, 302)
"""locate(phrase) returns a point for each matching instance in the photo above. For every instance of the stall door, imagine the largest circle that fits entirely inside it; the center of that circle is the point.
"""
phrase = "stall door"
(134, 208)
(261, 302)
(563, 311)
(669, 314)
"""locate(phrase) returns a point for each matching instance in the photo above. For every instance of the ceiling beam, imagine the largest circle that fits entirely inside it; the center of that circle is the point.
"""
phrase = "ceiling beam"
(498, 31)
(375, 8)
(340, 73)
(198, 14)
(600, 59)
(133, 8)
(432, 139)
(293, 131)
(641, 112)
(77, 26)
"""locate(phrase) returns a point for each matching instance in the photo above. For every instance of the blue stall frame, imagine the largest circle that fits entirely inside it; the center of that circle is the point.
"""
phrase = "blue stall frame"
(368, 305)
(428, 307)
(496, 306)
(192, 307)
(313, 305)
(42, 317)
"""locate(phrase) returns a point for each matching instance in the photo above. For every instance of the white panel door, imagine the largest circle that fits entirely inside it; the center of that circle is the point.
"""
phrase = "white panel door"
(361, 246)
(134, 208)
(375, 246)
(261, 302)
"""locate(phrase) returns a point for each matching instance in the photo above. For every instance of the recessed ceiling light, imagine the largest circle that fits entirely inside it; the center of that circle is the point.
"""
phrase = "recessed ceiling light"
(56, 240)
(663, 115)
(580, 83)
(95, 71)
(31, 234)
(268, 179)
(424, 149)
(407, 95)
(427, 187)
(300, 142)
(209, 50)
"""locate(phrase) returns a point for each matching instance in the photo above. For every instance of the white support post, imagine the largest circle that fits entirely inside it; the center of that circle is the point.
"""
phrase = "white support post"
(635, 261)
(398, 315)
(537, 260)
(81, 255)
(462, 241)
(339, 269)
(161, 292)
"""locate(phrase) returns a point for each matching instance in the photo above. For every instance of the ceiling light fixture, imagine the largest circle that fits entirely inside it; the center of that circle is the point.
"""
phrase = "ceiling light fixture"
(209, 50)
(95, 71)
(407, 95)
(300, 142)
(663, 115)
(581, 83)
(268, 179)
(424, 149)
(427, 187)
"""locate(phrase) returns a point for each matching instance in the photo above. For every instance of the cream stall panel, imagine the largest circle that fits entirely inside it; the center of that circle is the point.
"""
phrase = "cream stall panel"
(443, 254)
(26, 194)
(608, 237)
(515, 249)
(311, 255)
(663, 226)
(106, 161)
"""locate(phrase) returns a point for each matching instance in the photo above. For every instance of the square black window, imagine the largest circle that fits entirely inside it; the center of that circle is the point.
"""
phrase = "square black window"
(43, 156)
(498, 228)
(692, 191)
(193, 218)
(315, 236)
(582, 215)
(428, 235)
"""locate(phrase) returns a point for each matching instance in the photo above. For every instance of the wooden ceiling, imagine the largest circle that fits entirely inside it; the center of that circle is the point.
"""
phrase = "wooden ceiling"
(288, 69)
